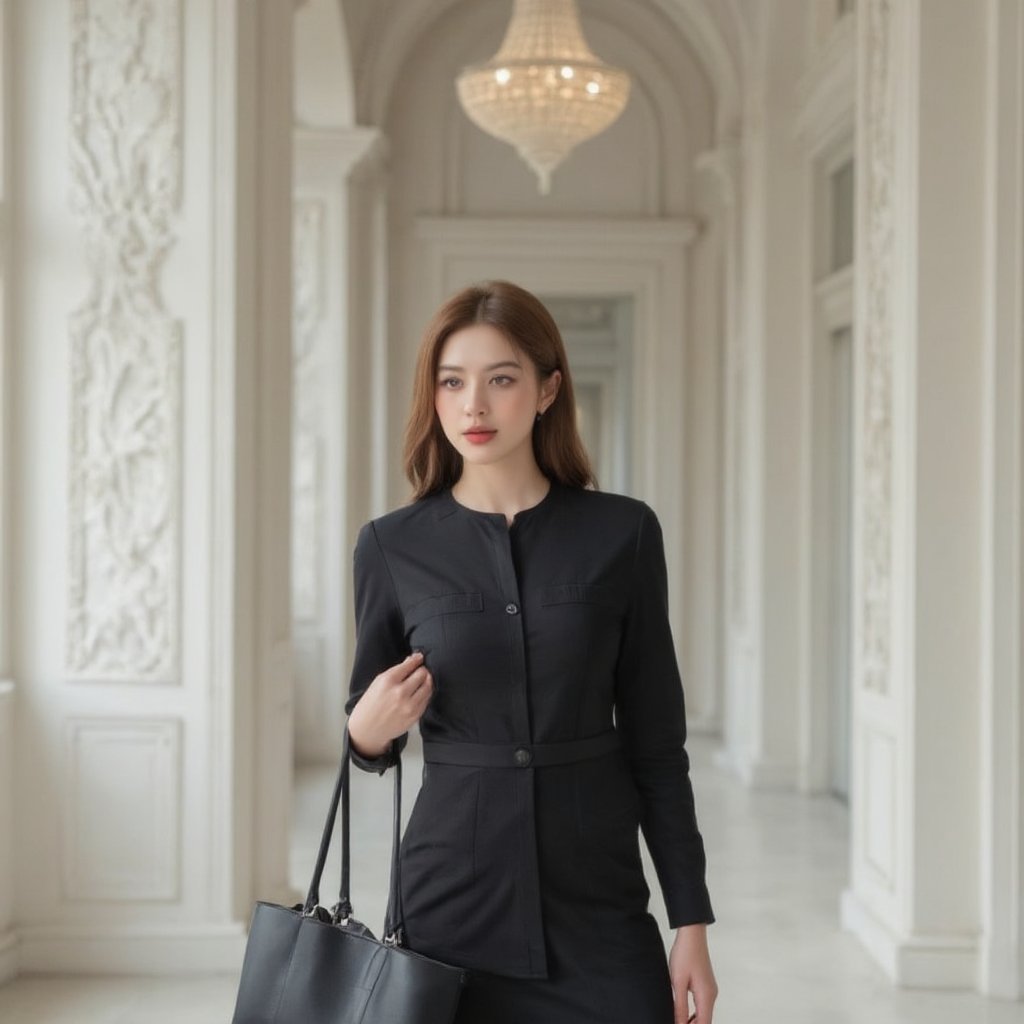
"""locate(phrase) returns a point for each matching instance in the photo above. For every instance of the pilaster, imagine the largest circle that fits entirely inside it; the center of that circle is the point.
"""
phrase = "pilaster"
(914, 898)
(340, 378)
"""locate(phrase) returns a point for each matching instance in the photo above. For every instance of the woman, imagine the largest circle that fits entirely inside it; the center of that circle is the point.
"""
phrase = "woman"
(534, 606)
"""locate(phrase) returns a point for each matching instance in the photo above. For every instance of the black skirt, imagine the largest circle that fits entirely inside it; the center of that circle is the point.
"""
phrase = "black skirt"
(606, 955)
(582, 986)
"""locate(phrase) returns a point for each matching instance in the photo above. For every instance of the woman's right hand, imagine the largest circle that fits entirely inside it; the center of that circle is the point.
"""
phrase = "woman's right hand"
(390, 705)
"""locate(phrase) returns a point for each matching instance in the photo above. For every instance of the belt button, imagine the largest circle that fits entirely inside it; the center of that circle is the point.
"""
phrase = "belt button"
(511, 608)
(523, 756)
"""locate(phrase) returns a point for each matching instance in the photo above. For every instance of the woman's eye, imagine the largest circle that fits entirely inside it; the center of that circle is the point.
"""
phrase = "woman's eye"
(504, 378)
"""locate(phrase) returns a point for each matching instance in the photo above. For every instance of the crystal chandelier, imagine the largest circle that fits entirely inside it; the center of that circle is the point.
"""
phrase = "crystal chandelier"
(543, 91)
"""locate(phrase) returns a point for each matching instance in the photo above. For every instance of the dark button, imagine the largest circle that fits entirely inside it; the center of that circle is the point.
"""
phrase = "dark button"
(511, 608)
(523, 756)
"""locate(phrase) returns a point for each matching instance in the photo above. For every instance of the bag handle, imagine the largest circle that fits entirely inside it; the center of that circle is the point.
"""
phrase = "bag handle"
(342, 910)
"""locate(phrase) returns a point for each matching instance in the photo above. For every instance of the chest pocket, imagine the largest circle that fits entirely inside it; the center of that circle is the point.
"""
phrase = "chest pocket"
(581, 593)
(425, 620)
(576, 618)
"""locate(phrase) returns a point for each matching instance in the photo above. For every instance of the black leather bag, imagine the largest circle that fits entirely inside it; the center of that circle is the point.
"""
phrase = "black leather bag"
(307, 965)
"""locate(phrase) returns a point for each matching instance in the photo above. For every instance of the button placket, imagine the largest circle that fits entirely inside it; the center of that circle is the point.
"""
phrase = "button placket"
(509, 584)
(514, 788)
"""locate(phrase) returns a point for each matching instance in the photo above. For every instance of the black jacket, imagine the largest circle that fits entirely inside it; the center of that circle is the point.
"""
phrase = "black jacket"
(533, 633)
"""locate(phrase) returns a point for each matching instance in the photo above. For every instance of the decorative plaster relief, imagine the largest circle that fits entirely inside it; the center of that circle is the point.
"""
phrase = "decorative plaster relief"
(307, 548)
(125, 420)
(308, 464)
(121, 809)
(879, 163)
(308, 274)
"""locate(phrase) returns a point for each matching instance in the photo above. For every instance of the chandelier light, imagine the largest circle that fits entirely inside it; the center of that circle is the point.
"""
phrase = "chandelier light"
(544, 91)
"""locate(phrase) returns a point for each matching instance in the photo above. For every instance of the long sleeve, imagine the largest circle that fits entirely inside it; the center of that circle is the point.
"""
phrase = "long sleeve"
(380, 636)
(651, 717)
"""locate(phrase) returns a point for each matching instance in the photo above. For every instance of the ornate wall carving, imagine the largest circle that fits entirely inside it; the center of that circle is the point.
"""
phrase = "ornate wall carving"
(879, 166)
(125, 416)
(307, 451)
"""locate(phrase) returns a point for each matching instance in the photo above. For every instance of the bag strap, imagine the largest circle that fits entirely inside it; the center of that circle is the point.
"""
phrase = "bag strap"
(342, 910)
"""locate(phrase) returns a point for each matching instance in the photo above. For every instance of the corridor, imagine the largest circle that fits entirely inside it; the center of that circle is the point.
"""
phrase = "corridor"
(777, 862)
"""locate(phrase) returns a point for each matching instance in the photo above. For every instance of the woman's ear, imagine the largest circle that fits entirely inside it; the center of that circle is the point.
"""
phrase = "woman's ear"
(550, 387)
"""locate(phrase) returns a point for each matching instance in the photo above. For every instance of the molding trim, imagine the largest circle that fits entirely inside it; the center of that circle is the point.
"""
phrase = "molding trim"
(934, 961)
(626, 231)
(827, 92)
(644, 259)
(723, 166)
(124, 487)
(126, 949)
(1002, 690)
(326, 156)
(100, 753)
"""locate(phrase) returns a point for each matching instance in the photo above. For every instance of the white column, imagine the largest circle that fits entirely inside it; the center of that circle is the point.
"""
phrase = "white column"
(1002, 682)
(338, 362)
(768, 411)
(260, 500)
(8, 962)
(376, 480)
(915, 821)
(151, 308)
(722, 167)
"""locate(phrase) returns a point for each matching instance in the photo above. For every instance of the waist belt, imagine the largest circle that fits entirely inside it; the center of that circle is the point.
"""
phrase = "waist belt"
(519, 755)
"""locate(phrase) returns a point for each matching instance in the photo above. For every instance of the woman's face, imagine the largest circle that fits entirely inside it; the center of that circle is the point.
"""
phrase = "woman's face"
(484, 383)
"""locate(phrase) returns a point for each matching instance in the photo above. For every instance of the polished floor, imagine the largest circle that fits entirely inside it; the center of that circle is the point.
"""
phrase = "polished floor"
(777, 863)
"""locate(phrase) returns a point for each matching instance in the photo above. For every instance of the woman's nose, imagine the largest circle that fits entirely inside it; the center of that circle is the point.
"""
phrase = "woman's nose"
(474, 404)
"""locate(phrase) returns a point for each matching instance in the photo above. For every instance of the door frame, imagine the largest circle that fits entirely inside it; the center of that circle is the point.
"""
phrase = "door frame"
(643, 259)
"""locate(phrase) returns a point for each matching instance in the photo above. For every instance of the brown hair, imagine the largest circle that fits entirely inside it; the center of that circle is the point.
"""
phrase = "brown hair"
(431, 462)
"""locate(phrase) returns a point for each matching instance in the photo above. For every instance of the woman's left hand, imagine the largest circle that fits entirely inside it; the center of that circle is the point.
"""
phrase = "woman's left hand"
(689, 965)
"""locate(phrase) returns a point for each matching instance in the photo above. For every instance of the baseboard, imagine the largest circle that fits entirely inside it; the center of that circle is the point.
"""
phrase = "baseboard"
(8, 956)
(66, 949)
(933, 961)
(1002, 970)
(763, 773)
(756, 772)
(703, 725)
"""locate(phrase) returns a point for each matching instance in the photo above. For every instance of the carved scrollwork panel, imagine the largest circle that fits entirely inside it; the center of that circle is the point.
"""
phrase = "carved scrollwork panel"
(125, 416)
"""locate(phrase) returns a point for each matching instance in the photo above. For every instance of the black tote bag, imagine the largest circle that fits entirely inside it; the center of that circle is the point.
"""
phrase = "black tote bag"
(307, 965)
